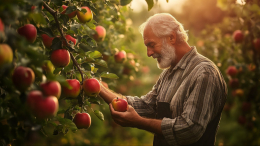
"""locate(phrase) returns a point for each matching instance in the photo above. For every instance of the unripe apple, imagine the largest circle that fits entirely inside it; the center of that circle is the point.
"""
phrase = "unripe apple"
(100, 33)
(257, 44)
(29, 31)
(23, 77)
(70, 38)
(119, 104)
(74, 90)
(234, 83)
(238, 36)
(120, 56)
(51, 88)
(91, 87)
(42, 107)
(232, 71)
(82, 120)
(47, 66)
(6, 55)
(84, 18)
(60, 58)
(2, 26)
(47, 41)
(71, 15)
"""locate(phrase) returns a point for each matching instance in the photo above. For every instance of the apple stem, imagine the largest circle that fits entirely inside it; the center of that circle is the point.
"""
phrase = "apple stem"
(54, 14)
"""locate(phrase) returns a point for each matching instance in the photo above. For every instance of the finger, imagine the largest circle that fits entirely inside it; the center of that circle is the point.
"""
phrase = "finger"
(113, 112)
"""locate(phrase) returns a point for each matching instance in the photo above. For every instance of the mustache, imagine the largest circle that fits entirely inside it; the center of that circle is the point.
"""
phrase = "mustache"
(156, 55)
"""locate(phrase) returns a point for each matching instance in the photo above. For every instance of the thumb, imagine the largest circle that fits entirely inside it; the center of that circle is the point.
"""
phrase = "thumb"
(130, 108)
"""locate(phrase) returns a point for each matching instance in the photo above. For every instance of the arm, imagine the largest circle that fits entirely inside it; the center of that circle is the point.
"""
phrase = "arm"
(109, 95)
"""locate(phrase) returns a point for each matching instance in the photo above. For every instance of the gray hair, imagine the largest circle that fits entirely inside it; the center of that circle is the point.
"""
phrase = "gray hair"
(163, 24)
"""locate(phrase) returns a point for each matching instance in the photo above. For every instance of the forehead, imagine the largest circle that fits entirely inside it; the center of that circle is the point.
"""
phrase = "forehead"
(149, 35)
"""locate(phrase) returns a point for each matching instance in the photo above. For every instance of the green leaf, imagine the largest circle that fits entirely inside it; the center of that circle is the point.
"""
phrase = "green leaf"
(95, 54)
(86, 66)
(56, 44)
(70, 9)
(124, 2)
(101, 62)
(64, 19)
(150, 4)
(91, 42)
(99, 115)
(67, 124)
(57, 2)
(94, 100)
(57, 70)
(91, 25)
(108, 75)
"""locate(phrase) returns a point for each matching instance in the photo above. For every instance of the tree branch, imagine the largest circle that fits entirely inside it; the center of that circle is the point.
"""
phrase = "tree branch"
(54, 14)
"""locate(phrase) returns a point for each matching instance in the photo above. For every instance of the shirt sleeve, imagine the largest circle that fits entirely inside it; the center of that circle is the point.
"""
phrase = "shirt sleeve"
(146, 105)
(197, 112)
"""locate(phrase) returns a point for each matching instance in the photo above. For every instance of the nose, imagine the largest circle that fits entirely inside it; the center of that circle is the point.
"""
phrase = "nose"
(149, 52)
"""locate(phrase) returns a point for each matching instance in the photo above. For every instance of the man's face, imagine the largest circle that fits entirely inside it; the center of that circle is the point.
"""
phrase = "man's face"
(163, 51)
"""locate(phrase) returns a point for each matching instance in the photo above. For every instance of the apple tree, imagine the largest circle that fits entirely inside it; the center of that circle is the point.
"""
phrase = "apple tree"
(233, 45)
(53, 57)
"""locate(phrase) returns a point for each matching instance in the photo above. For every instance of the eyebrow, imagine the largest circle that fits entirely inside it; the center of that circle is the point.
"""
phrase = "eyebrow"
(148, 42)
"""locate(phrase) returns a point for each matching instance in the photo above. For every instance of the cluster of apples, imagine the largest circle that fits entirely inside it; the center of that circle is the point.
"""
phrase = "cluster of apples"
(87, 17)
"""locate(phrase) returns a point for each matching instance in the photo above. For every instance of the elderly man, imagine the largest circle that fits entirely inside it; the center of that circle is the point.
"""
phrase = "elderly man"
(185, 104)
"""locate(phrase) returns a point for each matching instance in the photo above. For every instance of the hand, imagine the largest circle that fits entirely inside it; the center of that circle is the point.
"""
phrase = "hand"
(129, 118)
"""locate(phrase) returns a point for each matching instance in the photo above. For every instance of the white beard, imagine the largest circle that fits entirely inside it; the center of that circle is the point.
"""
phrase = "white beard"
(167, 56)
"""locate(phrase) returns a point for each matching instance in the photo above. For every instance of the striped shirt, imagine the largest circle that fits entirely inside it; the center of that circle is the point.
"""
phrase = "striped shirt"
(198, 100)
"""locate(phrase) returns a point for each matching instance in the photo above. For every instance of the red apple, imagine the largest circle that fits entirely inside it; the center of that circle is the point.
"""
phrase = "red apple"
(232, 71)
(238, 36)
(120, 56)
(47, 41)
(42, 107)
(74, 90)
(82, 120)
(6, 55)
(257, 44)
(23, 77)
(100, 33)
(51, 88)
(2, 26)
(84, 18)
(71, 15)
(60, 58)
(91, 87)
(120, 104)
(29, 31)
(70, 38)
(47, 66)
(234, 83)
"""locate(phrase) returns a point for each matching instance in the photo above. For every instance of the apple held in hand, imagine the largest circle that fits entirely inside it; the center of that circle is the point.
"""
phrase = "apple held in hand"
(75, 88)
(51, 88)
(6, 55)
(29, 31)
(23, 77)
(84, 18)
(71, 15)
(120, 56)
(100, 33)
(82, 120)
(119, 104)
(91, 87)
(60, 58)
(47, 41)
(238, 36)
(42, 107)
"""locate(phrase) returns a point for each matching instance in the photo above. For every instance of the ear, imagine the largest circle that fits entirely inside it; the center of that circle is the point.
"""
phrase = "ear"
(173, 38)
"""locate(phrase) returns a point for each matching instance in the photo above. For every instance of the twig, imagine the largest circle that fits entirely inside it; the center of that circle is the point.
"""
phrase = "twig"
(54, 14)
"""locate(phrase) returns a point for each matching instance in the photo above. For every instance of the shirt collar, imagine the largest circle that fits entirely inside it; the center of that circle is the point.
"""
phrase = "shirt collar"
(185, 59)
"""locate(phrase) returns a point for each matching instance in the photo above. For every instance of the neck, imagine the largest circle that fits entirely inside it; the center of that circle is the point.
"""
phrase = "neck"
(180, 50)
